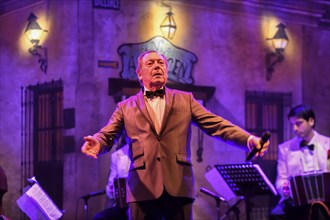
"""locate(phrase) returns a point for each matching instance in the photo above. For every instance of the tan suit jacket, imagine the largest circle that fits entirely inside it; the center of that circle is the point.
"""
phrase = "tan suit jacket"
(163, 160)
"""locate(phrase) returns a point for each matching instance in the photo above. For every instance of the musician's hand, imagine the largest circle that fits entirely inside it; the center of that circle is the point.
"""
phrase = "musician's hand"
(110, 191)
(286, 189)
(91, 146)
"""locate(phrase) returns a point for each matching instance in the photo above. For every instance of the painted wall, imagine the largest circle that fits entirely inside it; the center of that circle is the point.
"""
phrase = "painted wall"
(231, 51)
(316, 75)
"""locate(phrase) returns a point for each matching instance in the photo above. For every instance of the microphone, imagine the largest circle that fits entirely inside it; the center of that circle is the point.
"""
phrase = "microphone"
(217, 197)
(97, 193)
(265, 137)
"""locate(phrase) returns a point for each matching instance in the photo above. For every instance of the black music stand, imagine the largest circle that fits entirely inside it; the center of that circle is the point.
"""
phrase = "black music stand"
(87, 197)
(246, 180)
(217, 198)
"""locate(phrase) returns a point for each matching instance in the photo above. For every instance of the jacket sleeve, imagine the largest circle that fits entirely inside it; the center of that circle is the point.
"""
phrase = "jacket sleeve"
(282, 171)
(110, 131)
(217, 126)
(112, 175)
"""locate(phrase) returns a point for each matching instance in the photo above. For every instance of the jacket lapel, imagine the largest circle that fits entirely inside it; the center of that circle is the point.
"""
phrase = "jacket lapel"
(322, 151)
(141, 104)
(168, 108)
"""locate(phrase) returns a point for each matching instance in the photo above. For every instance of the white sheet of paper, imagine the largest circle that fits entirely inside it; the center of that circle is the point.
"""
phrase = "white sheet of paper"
(36, 204)
(219, 184)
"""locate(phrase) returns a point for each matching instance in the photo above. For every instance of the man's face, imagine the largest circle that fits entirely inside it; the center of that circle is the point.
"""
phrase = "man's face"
(301, 127)
(153, 72)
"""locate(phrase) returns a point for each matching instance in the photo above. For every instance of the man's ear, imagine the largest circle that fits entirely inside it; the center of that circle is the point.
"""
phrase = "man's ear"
(311, 122)
(139, 76)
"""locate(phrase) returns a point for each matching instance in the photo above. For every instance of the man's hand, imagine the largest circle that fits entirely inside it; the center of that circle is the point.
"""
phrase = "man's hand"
(254, 142)
(91, 146)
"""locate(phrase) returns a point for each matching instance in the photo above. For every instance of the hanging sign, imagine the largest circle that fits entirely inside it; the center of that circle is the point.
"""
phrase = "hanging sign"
(180, 61)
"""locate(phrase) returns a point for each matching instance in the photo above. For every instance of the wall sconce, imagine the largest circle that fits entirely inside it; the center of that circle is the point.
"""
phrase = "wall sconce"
(34, 33)
(280, 41)
(168, 26)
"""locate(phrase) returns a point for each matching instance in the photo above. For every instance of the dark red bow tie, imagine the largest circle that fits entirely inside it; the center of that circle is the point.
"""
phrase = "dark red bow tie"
(159, 93)
(304, 144)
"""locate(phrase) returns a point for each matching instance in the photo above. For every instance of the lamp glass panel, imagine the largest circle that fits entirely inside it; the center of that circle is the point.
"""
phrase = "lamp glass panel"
(171, 32)
(164, 30)
(168, 31)
(34, 35)
(166, 22)
(168, 27)
(280, 43)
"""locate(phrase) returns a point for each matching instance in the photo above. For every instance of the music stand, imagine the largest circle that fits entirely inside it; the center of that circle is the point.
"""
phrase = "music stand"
(87, 197)
(246, 180)
(217, 198)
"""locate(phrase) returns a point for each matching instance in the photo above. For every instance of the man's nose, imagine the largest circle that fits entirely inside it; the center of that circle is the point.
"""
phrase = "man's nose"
(295, 127)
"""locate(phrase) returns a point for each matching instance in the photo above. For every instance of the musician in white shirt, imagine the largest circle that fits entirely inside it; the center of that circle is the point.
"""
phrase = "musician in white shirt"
(305, 153)
(120, 163)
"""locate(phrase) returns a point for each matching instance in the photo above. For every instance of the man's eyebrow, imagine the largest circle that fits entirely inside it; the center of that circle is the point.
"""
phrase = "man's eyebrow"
(155, 60)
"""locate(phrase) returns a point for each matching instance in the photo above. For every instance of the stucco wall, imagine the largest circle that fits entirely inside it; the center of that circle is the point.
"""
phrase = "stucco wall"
(316, 75)
(230, 49)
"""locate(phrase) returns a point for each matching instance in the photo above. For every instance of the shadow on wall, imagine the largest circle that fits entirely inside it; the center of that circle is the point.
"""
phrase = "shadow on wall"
(216, 107)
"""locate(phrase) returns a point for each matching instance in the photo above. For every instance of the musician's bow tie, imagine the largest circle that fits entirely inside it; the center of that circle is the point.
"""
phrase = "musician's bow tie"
(159, 93)
(304, 144)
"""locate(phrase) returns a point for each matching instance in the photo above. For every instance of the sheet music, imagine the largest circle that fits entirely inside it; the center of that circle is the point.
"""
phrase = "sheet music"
(219, 184)
(265, 178)
(36, 204)
(30, 208)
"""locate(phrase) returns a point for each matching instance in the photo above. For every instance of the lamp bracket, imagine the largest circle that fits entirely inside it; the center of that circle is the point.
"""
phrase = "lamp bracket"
(272, 58)
(42, 58)
(166, 5)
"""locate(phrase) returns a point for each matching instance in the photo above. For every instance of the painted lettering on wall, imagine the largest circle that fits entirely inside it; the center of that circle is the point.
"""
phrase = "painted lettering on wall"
(180, 61)
(106, 4)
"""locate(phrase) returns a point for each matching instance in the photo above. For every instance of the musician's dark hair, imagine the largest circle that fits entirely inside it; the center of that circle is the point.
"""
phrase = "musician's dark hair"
(302, 111)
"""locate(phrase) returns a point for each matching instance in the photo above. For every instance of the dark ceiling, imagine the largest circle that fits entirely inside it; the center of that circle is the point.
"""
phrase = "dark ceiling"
(7, 6)
(314, 13)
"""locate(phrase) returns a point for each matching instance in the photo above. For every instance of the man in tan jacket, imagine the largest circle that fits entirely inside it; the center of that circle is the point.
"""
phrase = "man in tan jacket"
(158, 122)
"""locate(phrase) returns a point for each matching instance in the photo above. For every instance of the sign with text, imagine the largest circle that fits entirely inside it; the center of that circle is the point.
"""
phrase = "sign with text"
(106, 4)
(180, 61)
